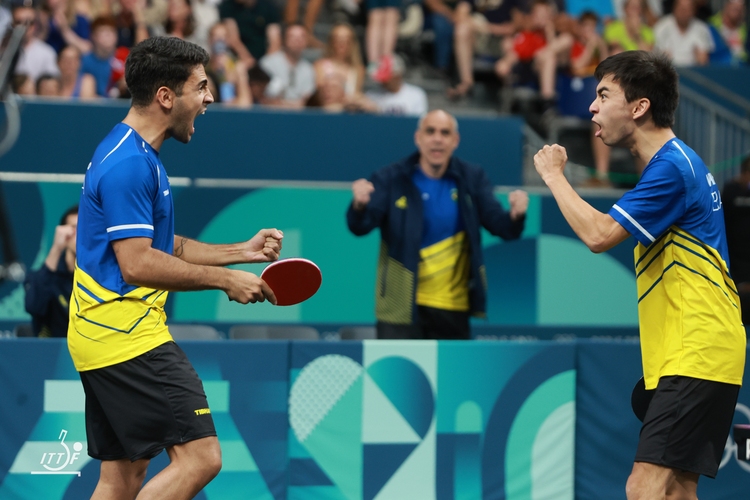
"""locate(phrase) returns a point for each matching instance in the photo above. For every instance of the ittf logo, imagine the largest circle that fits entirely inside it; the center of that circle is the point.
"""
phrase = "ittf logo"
(55, 461)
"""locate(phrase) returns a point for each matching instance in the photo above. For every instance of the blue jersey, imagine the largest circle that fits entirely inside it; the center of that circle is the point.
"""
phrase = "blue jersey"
(687, 303)
(125, 194)
(443, 271)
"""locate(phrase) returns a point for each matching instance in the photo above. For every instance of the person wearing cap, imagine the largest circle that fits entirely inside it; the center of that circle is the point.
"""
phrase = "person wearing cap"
(395, 97)
(430, 208)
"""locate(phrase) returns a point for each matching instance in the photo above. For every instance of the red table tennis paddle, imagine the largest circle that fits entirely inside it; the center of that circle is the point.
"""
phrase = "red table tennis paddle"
(292, 280)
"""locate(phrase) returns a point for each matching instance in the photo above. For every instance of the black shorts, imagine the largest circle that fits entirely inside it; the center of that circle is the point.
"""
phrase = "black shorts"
(687, 424)
(137, 408)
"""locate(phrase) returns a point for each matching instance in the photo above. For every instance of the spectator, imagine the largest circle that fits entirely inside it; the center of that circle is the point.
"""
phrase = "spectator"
(48, 86)
(382, 29)
(73, 83)
(258, 81)
(588, 48)
(735, 199)
(206, 14)
(587, 51)
(22, 84)
(48, 289)
(536, 28)
(101, 61)
(731, 28)
(180, 22)
(536, 52)
(292, 78)
(63, 25)
(685, 39)
(130, 23)
(703, 10)
(330, 94)
(227, 73)
(630, 31)
(603, 9)
(312, 11)
(253, 23)
(487, 33)
(342, 55)
(37, 58)
(430, 208)
(154, 12)
(451, 20)
(395, 97)
(651, 9)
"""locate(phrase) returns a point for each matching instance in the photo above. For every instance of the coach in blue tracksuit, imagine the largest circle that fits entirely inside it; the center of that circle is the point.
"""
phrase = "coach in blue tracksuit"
(429, 208)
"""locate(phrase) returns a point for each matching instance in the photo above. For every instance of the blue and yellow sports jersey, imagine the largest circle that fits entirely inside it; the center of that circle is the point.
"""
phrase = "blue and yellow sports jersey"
(443, 271)
(687, 302)
(125, 194)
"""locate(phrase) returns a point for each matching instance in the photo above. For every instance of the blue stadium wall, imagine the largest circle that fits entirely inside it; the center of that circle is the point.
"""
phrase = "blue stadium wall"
(546, 279)
(385, 420)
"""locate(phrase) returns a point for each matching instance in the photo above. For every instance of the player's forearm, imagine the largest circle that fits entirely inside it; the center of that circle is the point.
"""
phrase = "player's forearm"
(591, 226)
(195, 252)
(153, 268)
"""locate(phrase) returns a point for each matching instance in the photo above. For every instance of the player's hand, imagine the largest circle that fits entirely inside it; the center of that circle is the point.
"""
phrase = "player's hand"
(550, 161)
(244, 287)
(264, 246)
(519, 203)
(63, 234)
(362, 189)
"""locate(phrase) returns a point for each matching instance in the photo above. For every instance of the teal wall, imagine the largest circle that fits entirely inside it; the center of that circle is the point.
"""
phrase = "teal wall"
(548, 278)
(373, 420)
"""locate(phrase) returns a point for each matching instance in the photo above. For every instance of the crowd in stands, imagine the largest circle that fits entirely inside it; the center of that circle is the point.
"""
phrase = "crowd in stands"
(267, 52)
(276, 53)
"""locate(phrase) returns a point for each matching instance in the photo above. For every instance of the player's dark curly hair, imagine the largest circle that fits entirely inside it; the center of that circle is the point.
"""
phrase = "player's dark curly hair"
(161, 61)
(645, 74)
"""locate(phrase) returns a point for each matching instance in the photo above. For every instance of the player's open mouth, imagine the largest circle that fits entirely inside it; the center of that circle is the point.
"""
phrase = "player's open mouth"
(203, 112)
(598, 131)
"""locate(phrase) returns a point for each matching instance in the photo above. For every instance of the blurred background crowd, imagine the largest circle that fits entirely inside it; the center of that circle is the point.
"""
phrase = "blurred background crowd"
(531, 57)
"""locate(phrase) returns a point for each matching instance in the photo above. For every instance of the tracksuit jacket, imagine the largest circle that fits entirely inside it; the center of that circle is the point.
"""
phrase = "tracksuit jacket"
(396, 208)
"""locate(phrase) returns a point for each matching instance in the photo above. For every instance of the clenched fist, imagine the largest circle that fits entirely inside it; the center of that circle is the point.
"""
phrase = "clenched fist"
(519, 203)
(550, 161)
(362, 189)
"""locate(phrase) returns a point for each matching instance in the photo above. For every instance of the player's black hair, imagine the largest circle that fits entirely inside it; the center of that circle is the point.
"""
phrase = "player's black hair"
(645, 74)
(161, 61)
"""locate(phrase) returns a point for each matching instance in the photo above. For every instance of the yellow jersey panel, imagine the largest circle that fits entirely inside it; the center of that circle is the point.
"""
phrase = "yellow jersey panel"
(689, 311)
(106, 328)
(443, 274)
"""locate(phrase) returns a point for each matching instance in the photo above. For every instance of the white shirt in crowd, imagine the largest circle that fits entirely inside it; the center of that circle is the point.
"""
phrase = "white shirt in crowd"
(288, 82)
(37, 59)
(681, 46)
(410, 100)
